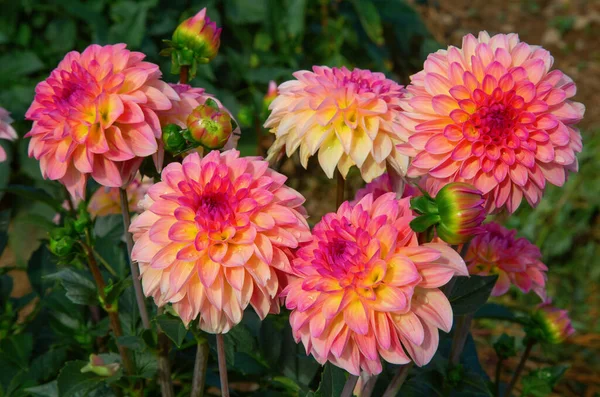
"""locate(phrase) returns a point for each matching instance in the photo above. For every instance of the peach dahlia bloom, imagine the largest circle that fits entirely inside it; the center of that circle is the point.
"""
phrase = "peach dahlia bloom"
(96, 115)
(366, 290)
(492, 114)
(214, 236)
(347, 116)
(6, 131)
(515, 260)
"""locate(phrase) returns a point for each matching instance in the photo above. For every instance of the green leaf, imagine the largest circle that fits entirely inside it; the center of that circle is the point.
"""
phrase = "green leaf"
(46, 390)
(146, 364)
(495, 311)
(369, 19)
(34, 194)
(332, 381)
(17, 349)
(72, 382)
(470, 293)
(39, 266)
(132, 342)
(242, 339)
(4, 224)
(172, 327)
(242, 12)
(18, 63)
(296, 11)
(80, 289)
(61, 34)
(47, 365)
(114, 291)
(130, 22)
(539, 383)
(110, 227)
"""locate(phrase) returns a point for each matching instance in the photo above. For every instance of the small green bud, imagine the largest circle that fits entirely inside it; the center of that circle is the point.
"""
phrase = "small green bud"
(173, 139)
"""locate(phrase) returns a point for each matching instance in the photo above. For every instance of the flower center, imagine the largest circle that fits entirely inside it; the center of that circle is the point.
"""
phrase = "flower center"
(214, 210)
(496, 121)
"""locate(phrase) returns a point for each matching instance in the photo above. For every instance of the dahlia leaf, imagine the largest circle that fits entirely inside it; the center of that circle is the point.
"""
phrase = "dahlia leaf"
(470, 293)
(80, 289)
(173, 328)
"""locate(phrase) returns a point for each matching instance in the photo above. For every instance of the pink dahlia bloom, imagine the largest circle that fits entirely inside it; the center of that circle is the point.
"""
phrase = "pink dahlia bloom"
(96, 115)
(215, 235)
(381, 185)
(515, 260)
(348, 116)
(6, 131)
(492, 114)
(367, 290)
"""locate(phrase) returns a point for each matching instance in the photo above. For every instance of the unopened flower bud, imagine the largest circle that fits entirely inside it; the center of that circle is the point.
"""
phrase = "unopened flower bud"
(461, 210)
(209, 126)
(197, 37)
(62, 247)
(173, 138)
(550, 324)
(97, 366)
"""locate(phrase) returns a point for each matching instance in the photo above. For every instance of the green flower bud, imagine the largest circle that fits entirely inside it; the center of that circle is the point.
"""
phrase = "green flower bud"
(97, 366)
(173, 139)
(209, 126)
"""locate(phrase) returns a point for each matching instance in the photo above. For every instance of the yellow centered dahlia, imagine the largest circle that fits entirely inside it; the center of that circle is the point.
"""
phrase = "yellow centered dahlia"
(96, 115)
(493, 114)
(348, 116)
(366, 290)
(516, 261)
(214, 235)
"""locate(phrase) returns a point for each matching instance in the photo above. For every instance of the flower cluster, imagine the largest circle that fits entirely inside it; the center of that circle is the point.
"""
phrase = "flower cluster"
(213, 235)
(515, 260)
(97, 115)
(492, 114)
(367, 290)
(349, 117)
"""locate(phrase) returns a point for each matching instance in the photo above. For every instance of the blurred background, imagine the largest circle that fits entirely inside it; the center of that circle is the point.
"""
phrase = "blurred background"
(267, 40)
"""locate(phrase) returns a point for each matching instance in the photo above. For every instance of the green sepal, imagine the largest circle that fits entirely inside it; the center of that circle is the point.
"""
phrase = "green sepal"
(424, 222)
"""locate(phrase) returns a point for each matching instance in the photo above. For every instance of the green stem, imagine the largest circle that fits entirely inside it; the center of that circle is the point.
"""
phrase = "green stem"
(135, 271)
(105, 263)
(349, 386)
(398, 380)
(222, 365)
(200, 369)
(498, 375)
(520, 367)
(460, 337)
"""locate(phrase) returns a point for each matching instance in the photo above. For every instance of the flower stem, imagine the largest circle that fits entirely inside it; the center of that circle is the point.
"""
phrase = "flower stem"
(520, 367)
(113, 315)
(183, 74)
(498, 374)
(460, 337)
(135, 272)
(398, 380)
(222, 365)
(341, 186)
(200, 369)
(164, 366)
(367, 389)
(349, 386)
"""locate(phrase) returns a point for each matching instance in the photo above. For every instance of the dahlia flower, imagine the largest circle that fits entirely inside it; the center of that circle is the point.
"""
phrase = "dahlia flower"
(214, 236)
(348, 116)
(552, 325)
(381, 185)
(367, 290)
(106, 201)
(6, 131)
(96, 115)
(189, 99)
(515, 260)
(492, 114)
